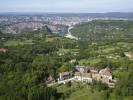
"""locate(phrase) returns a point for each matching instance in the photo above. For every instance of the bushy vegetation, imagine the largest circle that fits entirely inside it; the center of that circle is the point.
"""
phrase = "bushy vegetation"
(104, 29)
(32, 57)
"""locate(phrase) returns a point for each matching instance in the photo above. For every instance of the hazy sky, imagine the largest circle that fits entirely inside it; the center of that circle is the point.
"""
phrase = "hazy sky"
(66, 6)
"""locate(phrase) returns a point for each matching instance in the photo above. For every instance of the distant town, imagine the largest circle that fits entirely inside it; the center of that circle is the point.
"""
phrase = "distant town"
(15, 23)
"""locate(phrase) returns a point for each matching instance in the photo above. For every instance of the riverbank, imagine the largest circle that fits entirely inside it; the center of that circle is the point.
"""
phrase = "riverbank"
(69, 35)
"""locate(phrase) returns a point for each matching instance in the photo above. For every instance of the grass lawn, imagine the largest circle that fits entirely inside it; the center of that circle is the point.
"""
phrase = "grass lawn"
(68, 50)
(125, 45)
(129, 98)
(92, 62)
(18, 42)
(85, 94)
(51, 39)
(108, 50)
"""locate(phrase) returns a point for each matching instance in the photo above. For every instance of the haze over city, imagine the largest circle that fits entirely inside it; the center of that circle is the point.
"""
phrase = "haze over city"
(75, 6)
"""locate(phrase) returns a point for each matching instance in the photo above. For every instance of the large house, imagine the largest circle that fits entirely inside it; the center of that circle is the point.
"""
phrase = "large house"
(94, 73)
(83, 76)
(86, 74)
(106, 77)
(106, 74)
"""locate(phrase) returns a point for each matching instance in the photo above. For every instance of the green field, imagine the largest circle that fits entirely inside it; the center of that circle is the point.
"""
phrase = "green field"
(91, 62)
(18, 42)
(66, 51)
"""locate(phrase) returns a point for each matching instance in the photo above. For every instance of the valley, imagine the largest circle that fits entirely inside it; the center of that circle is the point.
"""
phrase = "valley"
(83, 60)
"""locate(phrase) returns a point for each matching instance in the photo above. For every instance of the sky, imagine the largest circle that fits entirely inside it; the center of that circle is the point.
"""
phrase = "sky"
(68, 6)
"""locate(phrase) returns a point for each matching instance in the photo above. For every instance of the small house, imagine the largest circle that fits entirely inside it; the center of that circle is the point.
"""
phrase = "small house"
(50, 80)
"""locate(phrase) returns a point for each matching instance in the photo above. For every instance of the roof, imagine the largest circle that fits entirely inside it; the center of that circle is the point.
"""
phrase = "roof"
(86, 69)
(65, 73)
(93, 70)
(50, 78)
(106, 71)
(79, 68)
(83, 74)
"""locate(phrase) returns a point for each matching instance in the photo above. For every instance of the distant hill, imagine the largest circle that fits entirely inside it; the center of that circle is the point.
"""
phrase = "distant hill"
(93, 15)
(99, 15)
(104, 29)
(109, 15)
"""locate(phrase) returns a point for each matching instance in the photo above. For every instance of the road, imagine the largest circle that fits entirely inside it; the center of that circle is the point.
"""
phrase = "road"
(62, 81)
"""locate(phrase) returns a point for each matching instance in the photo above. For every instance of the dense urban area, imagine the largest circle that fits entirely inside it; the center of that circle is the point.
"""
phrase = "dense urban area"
(66, 57)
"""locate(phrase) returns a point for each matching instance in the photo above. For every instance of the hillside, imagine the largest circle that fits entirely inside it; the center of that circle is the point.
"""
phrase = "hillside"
(107, 29)
(32, 59)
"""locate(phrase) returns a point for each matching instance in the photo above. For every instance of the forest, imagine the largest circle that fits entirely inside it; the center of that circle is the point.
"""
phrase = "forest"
(104, 30)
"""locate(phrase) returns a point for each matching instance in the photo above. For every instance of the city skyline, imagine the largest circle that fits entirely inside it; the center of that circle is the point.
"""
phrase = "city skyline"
(66, 6)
